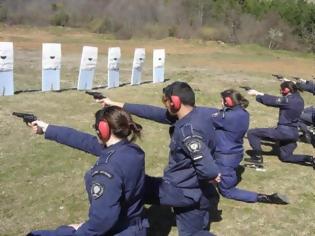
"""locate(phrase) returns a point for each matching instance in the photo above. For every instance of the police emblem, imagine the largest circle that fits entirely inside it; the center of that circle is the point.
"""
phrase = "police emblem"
(97, 190)
(194, 146)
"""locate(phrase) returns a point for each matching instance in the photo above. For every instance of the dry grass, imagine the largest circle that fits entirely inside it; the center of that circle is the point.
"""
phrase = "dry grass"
(41, 183)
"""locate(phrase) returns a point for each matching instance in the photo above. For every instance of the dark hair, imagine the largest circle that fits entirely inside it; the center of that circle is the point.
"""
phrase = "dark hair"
(182, 90)
(236, 96)
(120, 122)
(290, 85)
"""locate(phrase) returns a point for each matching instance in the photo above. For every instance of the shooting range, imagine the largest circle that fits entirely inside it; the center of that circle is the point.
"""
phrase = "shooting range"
(137, 66)
(87, 67)
(158, 65)
(113, 67)
(6, 69)
(62, 60)
(51, 65)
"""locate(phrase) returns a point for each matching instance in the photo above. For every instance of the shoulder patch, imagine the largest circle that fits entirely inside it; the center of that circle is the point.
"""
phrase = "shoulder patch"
(102, 172)
(97, 190)
(282, 100)
(193, 145)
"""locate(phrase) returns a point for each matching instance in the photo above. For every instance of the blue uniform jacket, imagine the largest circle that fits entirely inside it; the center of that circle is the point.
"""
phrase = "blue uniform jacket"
(309, 86)
(291, 107)
(191, 148)
(115, 184)
(231, 125)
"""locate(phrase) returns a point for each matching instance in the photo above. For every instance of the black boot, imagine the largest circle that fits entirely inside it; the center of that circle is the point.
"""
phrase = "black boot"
(274, 198)
(256, 158)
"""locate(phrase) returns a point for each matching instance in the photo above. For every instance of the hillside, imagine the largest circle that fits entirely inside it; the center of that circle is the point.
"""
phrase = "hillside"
(41, 183)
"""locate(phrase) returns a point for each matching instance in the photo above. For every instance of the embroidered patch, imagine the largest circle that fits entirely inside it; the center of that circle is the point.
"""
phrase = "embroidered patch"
(194, 145)
(97, 190)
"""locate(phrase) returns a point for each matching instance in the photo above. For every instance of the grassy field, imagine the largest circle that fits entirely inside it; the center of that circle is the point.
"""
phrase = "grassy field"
(41, 182)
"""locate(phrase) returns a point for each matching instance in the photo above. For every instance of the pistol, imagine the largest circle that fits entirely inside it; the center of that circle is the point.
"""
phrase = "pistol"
(96, 95)
(296, 78)
(27, 118)
(246, 88)
(278, 77)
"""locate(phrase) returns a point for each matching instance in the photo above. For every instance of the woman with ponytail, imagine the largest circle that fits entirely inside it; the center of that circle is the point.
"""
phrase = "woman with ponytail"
(231, 124)
(115, 184)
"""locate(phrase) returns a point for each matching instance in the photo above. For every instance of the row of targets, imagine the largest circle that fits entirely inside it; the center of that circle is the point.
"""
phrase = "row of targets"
(51, 67)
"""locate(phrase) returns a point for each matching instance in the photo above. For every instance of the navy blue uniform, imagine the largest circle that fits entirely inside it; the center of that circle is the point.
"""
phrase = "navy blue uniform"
(191, 166)
(309, 86)
(286, 132)
(115, 186)
(231, 125)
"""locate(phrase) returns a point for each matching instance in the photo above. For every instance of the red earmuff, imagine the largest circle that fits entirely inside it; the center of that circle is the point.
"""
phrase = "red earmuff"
(175, 103)
(285, 91)
(228, 101)
(103, 130)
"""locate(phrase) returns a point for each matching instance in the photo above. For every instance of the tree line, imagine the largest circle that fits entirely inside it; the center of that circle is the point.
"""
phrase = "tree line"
(277, 24)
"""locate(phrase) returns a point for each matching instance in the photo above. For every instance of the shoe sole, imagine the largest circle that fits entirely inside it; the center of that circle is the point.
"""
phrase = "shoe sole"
(284, 199)
(257, 167)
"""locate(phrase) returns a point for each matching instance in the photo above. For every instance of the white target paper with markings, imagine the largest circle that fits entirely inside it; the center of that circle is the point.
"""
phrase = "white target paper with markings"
(137, 66)
(51, 65)
(114, 55)
(158, 65)
(87, 68)
(6, 69)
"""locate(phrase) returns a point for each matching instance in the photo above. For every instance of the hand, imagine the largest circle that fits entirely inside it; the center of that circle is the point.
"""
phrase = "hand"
(107, 102)
(303, 81)
(39, 127)
(76, 226)
(254, 92)
(284, 79)
(216, 179)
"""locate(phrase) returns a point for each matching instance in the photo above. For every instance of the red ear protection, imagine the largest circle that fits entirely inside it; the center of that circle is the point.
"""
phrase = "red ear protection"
(229, 102)
(175, 103)
(103, 130)
(285, 91)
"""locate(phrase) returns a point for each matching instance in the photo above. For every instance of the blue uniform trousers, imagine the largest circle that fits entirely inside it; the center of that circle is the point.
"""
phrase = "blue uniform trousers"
(227, 164)
(192, 217)
(287, 137)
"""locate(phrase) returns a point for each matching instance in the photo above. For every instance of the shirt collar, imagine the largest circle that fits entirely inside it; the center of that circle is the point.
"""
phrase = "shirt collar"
(185, 118)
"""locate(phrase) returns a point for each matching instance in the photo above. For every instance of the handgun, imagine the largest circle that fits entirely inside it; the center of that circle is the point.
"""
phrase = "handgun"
(278, 77)
(96, 95)
(27, 118)
(296, 78)
(246, 88)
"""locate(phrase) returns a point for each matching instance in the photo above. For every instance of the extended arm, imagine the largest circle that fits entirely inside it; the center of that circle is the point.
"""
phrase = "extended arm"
(73, 138)
(157, 114)
(308, 86)
(272, 101)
